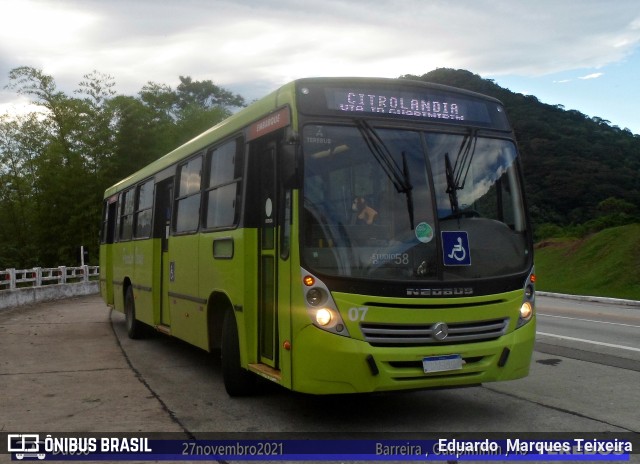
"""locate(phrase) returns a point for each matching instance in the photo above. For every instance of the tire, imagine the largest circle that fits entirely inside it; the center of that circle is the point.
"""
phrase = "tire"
(237, 381)
(135, 328)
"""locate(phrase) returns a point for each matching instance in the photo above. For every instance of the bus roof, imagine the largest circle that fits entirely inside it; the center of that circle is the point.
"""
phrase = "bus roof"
(224, 129)
(283, 96)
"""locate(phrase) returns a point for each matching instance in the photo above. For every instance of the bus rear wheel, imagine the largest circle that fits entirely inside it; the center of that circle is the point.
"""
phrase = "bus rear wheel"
(135, 328)
(237, 381)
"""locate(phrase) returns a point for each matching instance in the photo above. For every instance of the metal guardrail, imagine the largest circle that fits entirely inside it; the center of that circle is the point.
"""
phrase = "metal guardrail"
(12, 279)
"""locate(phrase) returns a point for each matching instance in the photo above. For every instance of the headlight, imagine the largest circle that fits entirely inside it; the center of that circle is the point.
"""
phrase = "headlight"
(528, 301)
(526, 310)
(323, 316)
(321, 308)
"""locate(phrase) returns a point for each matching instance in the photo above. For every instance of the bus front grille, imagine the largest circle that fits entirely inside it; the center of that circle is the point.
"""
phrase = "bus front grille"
(381, 334)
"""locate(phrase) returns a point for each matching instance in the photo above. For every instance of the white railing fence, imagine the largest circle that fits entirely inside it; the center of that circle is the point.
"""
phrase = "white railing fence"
(13, 279)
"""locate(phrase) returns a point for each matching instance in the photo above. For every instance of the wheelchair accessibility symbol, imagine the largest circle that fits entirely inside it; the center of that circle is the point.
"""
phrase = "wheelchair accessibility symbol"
(455, 247)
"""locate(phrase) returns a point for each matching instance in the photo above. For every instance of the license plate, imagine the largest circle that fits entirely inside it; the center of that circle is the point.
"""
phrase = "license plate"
(451, 362)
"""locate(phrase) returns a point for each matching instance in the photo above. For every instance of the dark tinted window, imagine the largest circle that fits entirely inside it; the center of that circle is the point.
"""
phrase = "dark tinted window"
(143, 212)
(126, 214)
(188, 196)
(223, 187)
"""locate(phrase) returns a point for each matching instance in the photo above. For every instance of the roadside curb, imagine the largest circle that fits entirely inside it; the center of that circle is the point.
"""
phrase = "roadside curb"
(10, 299)
(595, 299)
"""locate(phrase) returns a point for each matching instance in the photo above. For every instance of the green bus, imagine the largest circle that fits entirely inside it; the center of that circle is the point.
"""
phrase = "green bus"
(340, 235)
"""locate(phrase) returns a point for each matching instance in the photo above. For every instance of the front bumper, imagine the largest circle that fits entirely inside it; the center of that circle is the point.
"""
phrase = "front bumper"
(334, 364)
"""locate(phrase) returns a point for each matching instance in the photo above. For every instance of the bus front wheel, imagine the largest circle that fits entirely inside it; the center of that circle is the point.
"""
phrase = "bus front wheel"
(135, 328)
(237, 381)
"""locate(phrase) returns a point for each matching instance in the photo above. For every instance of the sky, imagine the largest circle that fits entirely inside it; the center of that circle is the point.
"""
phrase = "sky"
(581, 54)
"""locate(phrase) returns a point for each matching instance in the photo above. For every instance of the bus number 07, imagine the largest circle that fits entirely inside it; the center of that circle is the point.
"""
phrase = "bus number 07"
(357, 314)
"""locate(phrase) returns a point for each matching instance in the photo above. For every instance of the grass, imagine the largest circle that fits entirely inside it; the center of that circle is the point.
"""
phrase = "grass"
(604, 264)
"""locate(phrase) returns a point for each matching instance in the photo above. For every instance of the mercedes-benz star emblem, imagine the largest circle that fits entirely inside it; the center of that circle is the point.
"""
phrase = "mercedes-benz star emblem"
(440, 331)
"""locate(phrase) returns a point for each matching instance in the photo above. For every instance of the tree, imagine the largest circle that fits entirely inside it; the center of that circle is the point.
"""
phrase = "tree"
(206, 95)
(21, 139)
(95, 119)
(65, 206)
(189, 110)
(56, 163)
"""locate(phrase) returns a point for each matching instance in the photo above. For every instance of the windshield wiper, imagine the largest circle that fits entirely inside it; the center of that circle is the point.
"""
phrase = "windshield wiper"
(399, 177)
(408, 191)
(457, 174)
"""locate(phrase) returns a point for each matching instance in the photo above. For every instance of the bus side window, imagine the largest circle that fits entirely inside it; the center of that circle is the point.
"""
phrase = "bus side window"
(225, 173)
(188, 196)
(108, 221)
(126, 215)
(143, 210)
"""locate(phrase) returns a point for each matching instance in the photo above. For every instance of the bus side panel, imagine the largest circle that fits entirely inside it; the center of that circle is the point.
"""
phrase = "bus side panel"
(225, 256)
(156, 281)
(187, 308)
(122, 257)
(248, 318)
(143, 279)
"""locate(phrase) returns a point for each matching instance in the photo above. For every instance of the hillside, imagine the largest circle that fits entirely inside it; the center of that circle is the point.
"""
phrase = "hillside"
(603, 264)
(581, 174)
(571, 162)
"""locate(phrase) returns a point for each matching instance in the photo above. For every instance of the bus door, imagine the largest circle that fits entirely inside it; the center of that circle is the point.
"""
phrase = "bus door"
(273, 264)
(109, 231)
(267, 257)
(162, 225)
(266, 212)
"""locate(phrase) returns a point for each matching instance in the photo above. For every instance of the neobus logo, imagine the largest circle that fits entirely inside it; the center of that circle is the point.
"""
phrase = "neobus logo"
(454, 291)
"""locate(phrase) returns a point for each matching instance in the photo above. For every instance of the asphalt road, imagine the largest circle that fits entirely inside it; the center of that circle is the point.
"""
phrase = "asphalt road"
(69, 366)
(573, 386)
(591, 327)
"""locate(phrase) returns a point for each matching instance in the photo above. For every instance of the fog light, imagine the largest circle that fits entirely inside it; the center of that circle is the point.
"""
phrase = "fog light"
(528, 292)
(526, 310)
(315, 297)
(323, 316)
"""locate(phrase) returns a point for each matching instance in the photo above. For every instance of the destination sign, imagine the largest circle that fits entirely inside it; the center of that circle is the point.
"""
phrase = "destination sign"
(397, 103)
(437, 105)
(405, 100)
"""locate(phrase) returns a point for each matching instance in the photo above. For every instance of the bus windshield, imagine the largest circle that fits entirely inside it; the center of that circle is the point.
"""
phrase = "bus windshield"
(398, 204)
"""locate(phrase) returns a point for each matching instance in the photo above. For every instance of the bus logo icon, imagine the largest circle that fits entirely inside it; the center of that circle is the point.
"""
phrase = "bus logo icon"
(455, 247)
(25, 445)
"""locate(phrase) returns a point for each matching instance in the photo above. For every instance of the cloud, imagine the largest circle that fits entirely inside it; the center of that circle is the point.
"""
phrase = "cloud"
(238, 42)
(591, 76)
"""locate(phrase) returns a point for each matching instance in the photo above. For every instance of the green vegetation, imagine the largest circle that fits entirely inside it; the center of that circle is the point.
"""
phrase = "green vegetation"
(572, 163)
(56, 162)
(603, 264)
(580, 173)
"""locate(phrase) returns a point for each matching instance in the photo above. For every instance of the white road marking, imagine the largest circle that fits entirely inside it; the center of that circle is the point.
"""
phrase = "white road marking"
(589, 320)
(593, 342)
